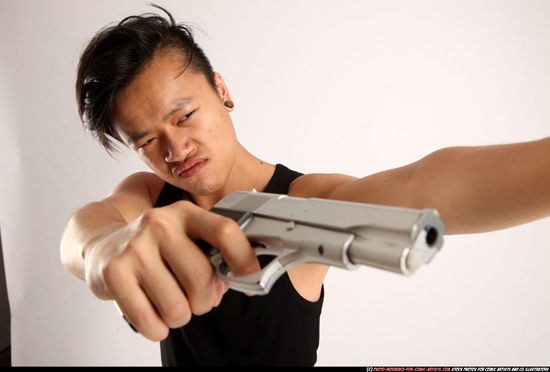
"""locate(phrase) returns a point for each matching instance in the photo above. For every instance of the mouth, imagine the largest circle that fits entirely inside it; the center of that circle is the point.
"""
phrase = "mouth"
(189, 168)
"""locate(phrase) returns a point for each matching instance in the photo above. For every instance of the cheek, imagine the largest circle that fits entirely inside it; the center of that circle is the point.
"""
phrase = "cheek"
(221, 131)
(155, 163)
(224, 138)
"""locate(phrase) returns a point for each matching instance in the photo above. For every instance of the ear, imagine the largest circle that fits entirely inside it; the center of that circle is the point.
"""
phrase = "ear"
(222, 90)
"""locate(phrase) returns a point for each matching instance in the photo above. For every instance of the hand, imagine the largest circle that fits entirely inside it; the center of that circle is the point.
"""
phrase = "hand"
(156, 273)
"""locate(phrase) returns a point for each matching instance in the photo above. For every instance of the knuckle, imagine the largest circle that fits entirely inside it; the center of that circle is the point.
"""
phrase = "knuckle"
(104, 280)
(202, 307)
(114, 270)
(183, 208)
(136, 258)
(154, 218)
(177, 314)
(234, 245)
(132, 248)
(150, 327)
(184, 204)
(199, 286)
(225, 229)
(143, 259)
(202, 297)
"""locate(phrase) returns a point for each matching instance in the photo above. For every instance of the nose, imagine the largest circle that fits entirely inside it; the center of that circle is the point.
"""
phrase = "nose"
(177, 147)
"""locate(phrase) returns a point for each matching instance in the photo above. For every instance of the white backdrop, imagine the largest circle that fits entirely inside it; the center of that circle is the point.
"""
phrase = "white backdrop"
(322, 86)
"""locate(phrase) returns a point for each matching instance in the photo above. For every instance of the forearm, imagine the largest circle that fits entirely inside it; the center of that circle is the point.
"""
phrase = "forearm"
(475, 189)
(88, 225)
(480, 189)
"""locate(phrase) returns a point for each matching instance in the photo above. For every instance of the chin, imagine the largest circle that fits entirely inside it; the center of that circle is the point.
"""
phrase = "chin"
(202, 188)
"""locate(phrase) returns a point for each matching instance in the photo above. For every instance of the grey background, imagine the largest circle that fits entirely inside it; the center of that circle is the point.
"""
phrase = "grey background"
(343, 86)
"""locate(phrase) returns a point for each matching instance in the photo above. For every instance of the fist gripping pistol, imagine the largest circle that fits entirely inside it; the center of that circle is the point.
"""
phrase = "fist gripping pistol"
(342, 234)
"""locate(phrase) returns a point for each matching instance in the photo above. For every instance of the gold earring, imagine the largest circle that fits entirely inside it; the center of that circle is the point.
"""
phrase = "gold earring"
(228, 104)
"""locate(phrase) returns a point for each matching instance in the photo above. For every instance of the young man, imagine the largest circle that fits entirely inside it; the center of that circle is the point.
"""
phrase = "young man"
(147, 84)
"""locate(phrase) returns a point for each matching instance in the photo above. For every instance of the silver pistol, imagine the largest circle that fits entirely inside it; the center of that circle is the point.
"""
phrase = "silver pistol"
(336, 233)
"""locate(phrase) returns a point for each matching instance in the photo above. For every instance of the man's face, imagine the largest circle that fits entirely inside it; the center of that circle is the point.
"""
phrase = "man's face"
(177, 124)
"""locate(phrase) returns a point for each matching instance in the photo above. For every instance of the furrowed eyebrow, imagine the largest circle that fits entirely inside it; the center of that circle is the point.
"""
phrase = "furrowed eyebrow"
(133, 138)
(177, 107)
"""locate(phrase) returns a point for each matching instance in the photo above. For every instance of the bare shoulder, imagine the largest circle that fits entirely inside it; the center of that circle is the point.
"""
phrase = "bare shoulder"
(140, 183)
(135, 193)
(308, 278)
(318, 185)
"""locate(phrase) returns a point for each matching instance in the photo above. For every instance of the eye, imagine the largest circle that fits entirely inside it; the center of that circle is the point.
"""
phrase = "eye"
(185, 117)
(146, 143)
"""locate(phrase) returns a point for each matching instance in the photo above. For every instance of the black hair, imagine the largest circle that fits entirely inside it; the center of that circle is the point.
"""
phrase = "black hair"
(117, 54)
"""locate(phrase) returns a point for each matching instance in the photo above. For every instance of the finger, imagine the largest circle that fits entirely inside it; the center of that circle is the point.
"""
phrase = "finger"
(125, 318)
(166, 294)
(121, 280)
(226, 235)
(176, 268)
(221, 289)
(140, 312)
(194, 272)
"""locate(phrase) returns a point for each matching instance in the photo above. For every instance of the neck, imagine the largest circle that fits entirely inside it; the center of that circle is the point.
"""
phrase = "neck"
(248, 173)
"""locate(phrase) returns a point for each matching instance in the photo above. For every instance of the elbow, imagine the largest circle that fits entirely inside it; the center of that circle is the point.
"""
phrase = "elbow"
(64, 252)
(69, 254)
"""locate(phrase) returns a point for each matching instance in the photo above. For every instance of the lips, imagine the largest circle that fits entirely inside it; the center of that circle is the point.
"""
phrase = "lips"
(190, 167)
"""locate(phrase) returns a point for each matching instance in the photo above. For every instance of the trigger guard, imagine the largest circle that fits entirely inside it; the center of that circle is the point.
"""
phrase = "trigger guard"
(259, 283)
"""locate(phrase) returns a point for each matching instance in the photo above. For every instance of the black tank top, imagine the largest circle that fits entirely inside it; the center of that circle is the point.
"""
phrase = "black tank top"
(279, 329)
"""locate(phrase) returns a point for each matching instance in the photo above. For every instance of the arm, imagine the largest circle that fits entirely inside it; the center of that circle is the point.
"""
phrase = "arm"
(96, 220)
(475, 189)
(146, 258)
